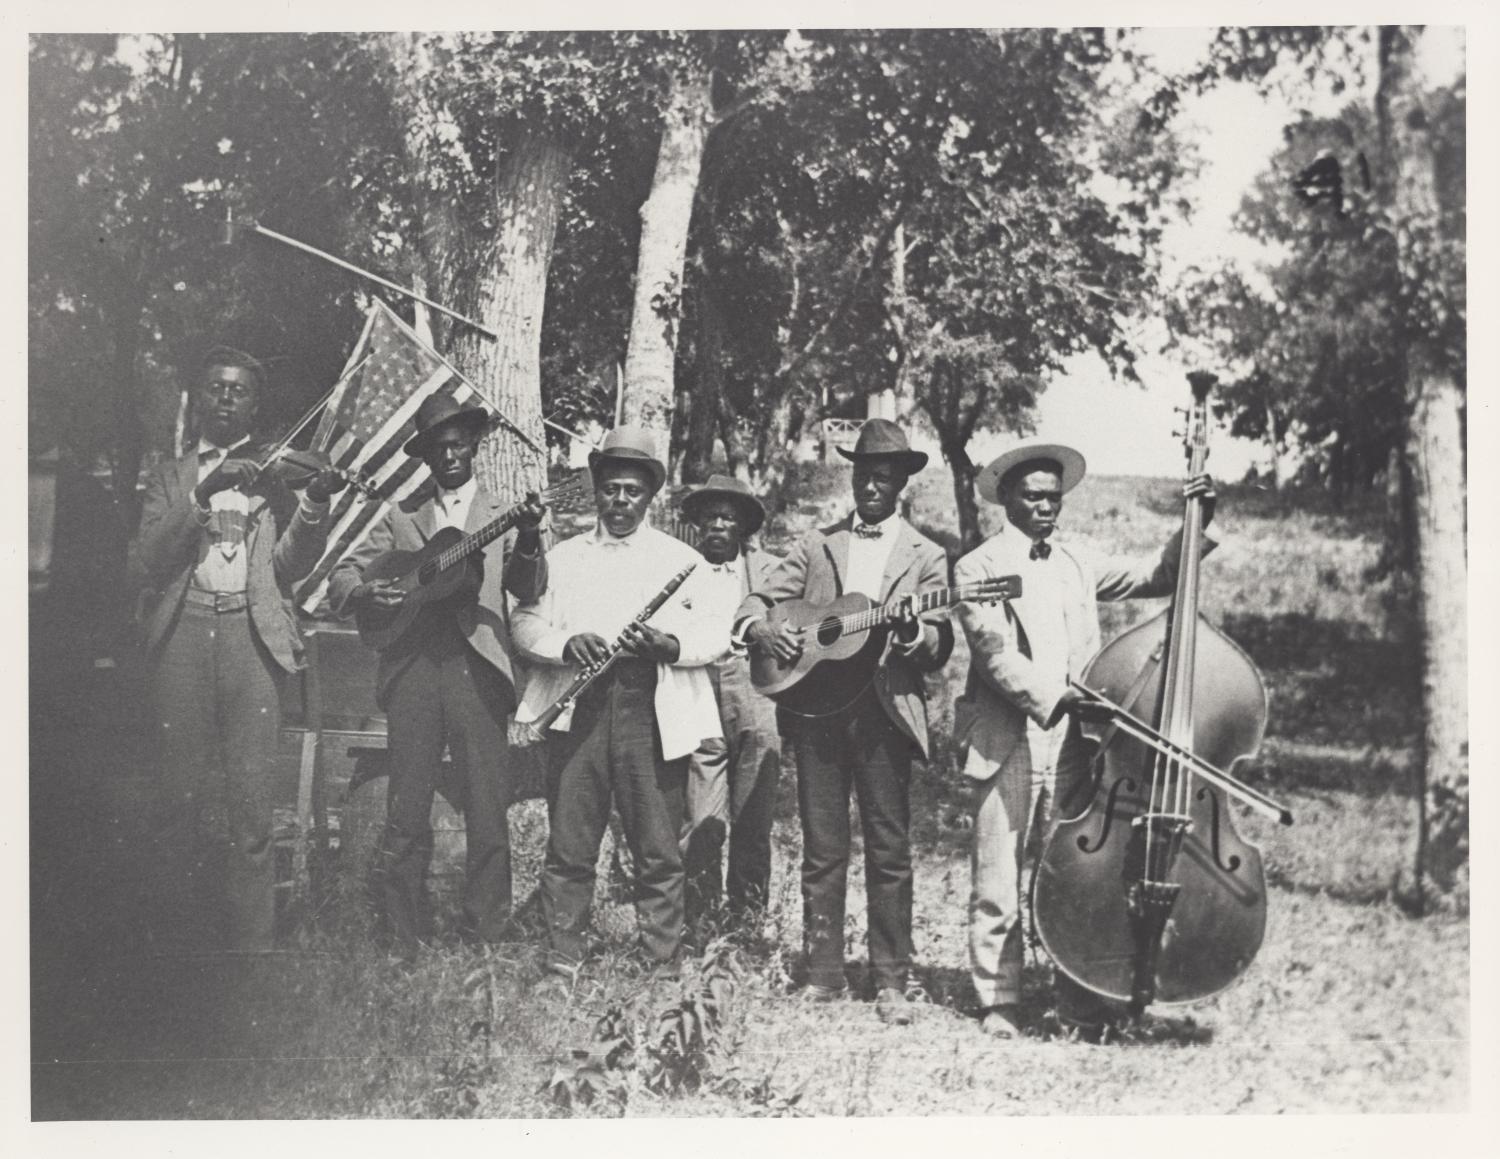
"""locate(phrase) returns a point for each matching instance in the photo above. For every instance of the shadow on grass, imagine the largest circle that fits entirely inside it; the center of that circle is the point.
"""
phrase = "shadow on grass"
(1332, 682)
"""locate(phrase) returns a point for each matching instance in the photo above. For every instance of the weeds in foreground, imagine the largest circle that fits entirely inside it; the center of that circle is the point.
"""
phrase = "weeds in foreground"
(685, 1047)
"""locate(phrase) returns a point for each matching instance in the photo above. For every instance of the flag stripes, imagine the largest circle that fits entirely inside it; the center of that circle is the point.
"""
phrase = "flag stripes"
(365, 426)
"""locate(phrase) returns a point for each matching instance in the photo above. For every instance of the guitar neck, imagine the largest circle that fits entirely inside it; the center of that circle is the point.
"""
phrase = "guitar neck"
(476, 541)
(926, 602)
(486, 535)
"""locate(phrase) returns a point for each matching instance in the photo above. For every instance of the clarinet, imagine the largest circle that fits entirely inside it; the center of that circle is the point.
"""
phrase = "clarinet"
(592, 672)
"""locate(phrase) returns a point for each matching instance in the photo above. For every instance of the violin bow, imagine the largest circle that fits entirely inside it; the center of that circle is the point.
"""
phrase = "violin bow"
(1127, 722)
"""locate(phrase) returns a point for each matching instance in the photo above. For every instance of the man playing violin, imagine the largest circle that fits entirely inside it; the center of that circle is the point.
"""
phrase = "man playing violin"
(871, 743)
(218, 549)
(448, 681)
(628, 737)
(1023, 757)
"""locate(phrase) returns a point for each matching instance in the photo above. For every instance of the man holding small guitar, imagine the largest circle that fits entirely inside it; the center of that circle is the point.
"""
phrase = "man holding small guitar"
(870, 742)
(446, 679)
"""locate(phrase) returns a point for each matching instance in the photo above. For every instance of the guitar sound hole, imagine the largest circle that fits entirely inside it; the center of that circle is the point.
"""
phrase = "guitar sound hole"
(427, 573)
(828, 631)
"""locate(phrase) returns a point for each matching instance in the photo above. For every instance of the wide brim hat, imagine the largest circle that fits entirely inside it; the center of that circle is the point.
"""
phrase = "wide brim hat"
(1032, 450)
(883, 439)
(439, 411)
(630, 444)
(726, 487)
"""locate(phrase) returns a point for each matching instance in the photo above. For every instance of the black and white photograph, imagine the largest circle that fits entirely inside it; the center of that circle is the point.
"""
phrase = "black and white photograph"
(850, 569)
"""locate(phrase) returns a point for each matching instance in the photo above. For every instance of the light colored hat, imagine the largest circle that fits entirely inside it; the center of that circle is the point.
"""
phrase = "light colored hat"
(630, 444)
(1029, 451)
(726, 487)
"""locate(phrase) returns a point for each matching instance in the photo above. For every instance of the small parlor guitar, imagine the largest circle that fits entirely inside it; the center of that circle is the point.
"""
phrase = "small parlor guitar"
(841, 647)
(438, 569)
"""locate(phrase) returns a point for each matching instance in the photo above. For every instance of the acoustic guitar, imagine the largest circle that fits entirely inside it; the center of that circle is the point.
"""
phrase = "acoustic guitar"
(439, 568)
(842, 643)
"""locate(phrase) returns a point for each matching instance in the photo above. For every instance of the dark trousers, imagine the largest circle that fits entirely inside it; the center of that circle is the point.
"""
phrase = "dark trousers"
(611, 753)
(732, 784)
(447, 696)
(218, 717)
(859, 748)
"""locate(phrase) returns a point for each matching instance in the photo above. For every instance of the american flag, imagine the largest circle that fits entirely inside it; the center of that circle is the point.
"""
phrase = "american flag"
(367, 420)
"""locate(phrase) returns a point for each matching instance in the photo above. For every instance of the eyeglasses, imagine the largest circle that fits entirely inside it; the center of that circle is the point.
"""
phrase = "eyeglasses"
(234, 391)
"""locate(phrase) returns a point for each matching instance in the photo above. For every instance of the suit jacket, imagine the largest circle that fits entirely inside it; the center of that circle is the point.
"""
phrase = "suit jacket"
(408, 526)
(281, 546)
(1004, 687)
(814, 571)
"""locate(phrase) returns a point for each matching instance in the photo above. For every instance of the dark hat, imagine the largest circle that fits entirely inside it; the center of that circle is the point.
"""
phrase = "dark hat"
(883, 439)
(1069, 463)
(630, 444)
(725, 487)
(440, 410)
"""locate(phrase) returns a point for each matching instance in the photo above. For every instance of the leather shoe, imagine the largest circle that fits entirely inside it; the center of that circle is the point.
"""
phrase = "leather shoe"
(893, 1007)
(1001, 1021)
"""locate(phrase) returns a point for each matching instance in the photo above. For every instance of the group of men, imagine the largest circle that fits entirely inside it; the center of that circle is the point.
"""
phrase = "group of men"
(671, 736)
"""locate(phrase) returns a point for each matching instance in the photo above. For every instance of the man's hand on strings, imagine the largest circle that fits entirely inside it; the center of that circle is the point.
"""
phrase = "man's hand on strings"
(385, 595)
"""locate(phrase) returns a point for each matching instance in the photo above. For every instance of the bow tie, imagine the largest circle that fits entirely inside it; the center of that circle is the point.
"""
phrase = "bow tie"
(726, 566)
(1041, 549)
(869, 530)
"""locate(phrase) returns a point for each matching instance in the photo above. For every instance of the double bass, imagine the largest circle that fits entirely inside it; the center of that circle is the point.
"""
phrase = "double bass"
(1149, 895)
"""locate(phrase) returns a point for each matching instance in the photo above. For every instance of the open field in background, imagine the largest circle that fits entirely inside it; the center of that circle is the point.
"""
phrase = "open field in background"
(1352, 1004)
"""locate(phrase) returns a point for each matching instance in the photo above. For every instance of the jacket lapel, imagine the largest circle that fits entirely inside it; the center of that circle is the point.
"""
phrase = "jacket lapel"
(836, 548)
(187, 474)
(903, 553)
(484, 509)
(423, 508)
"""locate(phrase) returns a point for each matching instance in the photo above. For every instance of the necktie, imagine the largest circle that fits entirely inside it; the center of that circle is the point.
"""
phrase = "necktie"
(869, 530)
(1041, 549)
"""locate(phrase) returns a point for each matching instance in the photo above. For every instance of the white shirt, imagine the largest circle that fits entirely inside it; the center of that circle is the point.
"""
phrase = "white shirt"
(868, 556)
(598, 583)
(222, 564)
(221, 560)
(452, 507)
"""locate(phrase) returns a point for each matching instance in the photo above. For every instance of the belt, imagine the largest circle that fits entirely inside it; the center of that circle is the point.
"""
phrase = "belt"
(218, 601)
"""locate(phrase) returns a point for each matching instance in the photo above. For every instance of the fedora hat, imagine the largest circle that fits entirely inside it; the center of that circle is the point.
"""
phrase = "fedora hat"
(1030, 451)
(734, 490)
(439, 410)
(883, 439)
(630, 444)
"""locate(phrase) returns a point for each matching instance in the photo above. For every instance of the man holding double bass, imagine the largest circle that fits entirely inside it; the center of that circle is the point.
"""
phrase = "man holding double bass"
(1023, 756)
(870, 743)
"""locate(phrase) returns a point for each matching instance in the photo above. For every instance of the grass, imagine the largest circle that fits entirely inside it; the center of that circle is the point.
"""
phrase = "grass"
(1351, 1005)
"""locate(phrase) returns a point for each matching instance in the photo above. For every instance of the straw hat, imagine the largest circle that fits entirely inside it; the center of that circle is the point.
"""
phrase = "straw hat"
(1030, 451)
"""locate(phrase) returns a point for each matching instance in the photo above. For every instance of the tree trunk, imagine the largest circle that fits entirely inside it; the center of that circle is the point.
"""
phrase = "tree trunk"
(1273, 438)
(734, 446)
(704, 408)
(1435, 451)
(128, 442)
(665, 217)
(500, 280)
(965, 499)
(509, 290)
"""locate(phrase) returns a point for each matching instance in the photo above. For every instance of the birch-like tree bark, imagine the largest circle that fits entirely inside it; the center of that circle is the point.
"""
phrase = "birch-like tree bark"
(1435, 454)
(651, 354)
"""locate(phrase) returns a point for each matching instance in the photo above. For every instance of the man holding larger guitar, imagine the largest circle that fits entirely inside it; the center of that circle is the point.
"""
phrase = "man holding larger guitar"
(871, 740)
(446, 679)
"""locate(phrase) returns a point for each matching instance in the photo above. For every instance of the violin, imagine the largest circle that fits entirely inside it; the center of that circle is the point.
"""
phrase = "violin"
(1149, 895)
(296, 469)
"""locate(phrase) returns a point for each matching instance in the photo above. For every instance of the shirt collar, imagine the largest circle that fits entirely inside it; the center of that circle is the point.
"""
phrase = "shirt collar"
(604, 539)
(463, 493)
